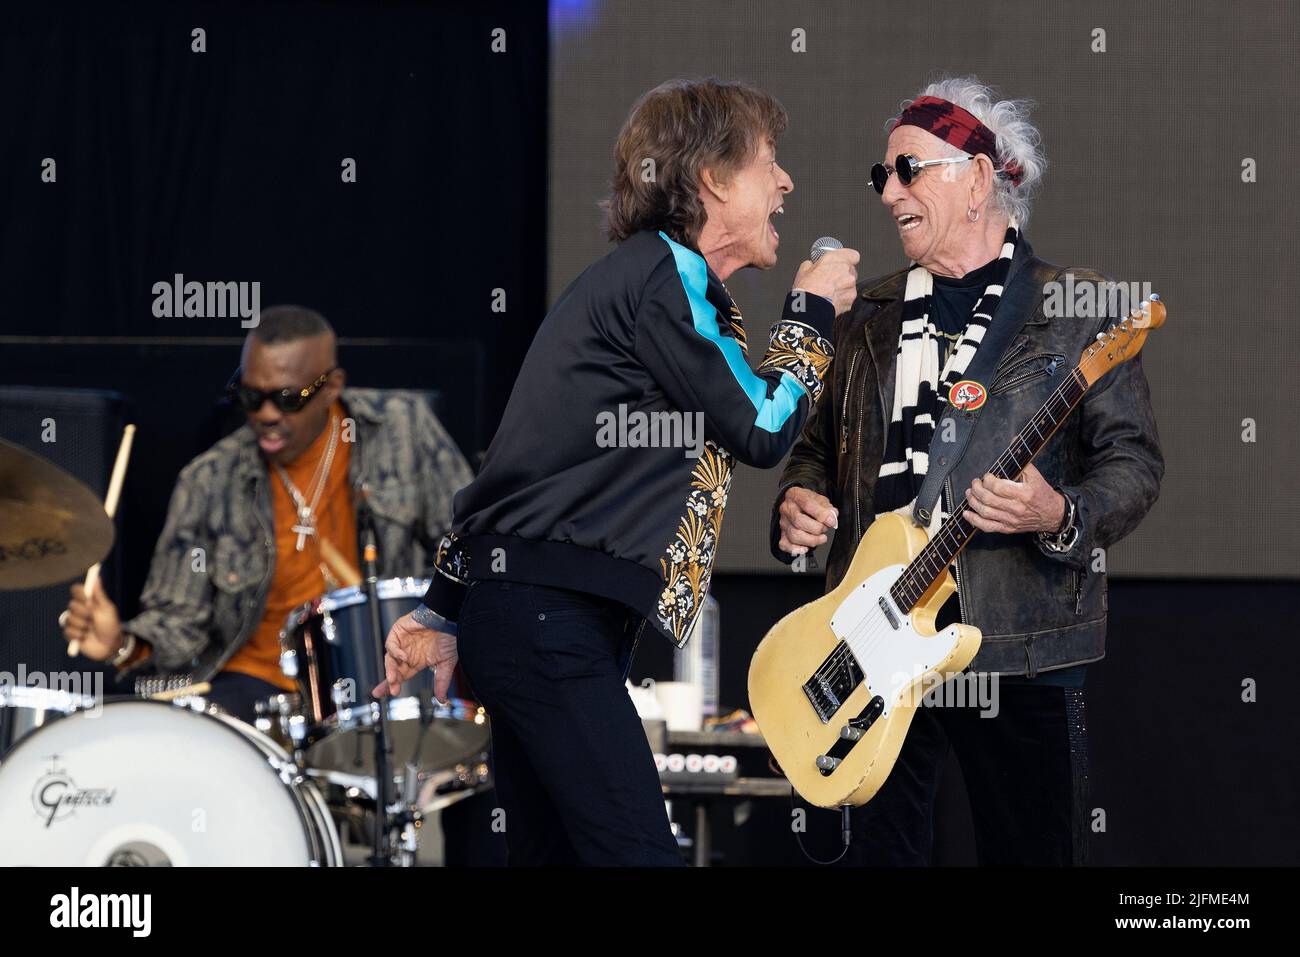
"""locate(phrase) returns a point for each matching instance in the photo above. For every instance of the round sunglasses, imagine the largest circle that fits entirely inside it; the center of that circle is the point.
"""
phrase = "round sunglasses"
(908, 168)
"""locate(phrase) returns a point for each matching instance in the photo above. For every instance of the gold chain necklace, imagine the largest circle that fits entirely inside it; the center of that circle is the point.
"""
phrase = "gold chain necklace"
(306, 524)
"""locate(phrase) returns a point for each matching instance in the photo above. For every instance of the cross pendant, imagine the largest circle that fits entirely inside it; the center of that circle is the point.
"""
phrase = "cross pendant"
(303, 528)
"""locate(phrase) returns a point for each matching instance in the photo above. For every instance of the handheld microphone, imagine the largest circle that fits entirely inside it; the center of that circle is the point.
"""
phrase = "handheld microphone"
(823, 246)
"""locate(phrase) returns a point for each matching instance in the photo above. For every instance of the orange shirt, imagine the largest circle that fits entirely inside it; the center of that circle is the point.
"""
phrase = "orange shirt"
(298, 575)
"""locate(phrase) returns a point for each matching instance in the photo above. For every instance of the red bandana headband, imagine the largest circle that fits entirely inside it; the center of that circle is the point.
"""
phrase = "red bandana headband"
(956, 126)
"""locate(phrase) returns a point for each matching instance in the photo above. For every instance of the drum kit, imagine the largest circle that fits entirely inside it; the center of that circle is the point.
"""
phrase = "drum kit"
(169, 779)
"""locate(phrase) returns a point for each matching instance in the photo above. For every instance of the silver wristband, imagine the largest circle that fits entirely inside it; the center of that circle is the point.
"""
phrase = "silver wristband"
(1068, 537)
(426, 617)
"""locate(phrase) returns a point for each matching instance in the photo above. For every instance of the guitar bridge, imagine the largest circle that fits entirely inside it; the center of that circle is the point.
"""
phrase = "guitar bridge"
(822, 696)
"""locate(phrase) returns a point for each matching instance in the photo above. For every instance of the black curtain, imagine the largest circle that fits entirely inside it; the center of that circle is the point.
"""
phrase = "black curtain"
(226, 165)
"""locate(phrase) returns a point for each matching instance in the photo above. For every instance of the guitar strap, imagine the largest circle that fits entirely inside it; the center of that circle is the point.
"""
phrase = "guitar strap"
(961, 422)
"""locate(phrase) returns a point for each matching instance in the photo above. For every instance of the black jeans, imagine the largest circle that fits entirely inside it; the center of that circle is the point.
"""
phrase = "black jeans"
(570, 759)
(1026, 774)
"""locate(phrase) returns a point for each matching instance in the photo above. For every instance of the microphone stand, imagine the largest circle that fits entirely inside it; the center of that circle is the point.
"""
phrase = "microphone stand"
(383, 775)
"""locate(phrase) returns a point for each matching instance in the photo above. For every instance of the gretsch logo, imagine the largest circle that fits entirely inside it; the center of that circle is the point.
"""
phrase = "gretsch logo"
(56, 796)
(967, 395)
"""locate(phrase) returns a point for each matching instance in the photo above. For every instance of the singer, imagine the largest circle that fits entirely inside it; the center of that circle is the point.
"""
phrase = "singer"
(564, 547)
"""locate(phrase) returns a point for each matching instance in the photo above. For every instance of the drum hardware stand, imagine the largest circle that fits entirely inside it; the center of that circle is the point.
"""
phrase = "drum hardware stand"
(425, 697)
(407, 816)
(384, 823)
(362, 783)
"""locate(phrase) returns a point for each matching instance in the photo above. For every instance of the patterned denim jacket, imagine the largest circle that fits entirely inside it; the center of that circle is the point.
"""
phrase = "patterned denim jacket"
(199, 607)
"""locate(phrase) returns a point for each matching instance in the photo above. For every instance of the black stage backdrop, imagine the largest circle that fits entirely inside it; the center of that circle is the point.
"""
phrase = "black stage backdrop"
(227, 165)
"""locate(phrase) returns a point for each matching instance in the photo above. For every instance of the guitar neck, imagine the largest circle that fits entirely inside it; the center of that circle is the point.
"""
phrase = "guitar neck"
(953, 535)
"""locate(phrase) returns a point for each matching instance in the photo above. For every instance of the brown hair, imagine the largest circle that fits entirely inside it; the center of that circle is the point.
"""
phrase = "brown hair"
(682, 127)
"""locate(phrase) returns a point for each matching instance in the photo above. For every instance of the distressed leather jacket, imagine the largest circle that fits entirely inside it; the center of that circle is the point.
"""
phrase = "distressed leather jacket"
(1038, 610)
(196, 614)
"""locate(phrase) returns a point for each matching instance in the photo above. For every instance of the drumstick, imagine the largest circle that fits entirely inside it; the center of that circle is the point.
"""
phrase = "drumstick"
(201, 688)
(339, 565)
(110, 506)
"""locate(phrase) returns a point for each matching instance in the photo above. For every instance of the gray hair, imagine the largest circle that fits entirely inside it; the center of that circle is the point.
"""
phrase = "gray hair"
(1018, 140)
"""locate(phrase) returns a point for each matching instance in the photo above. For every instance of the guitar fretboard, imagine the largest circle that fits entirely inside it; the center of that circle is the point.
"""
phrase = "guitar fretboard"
(953, 535)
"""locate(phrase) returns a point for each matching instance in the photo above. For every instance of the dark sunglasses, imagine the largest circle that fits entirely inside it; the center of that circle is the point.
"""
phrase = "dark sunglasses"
(286, 400)
(908, 167)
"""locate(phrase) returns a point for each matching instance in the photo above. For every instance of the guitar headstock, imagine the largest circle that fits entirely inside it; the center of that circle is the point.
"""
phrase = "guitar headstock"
(1123, 340)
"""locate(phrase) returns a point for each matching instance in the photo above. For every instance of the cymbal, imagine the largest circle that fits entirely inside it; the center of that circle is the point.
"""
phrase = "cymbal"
(344, 740)
(52, 528)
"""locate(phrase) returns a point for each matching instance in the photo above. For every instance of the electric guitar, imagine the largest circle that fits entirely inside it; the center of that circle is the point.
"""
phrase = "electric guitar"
(834, 684)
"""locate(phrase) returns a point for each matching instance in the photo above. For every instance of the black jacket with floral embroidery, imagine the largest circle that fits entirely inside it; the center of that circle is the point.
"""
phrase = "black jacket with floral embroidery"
(610, 470)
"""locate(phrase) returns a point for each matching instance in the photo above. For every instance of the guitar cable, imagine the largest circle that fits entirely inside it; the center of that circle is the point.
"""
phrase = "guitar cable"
(846, 822)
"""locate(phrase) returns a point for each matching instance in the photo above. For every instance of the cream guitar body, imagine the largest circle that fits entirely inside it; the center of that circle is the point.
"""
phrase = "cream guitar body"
(857, 627)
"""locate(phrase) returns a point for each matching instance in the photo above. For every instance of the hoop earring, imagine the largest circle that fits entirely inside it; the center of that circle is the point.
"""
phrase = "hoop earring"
(973, 215)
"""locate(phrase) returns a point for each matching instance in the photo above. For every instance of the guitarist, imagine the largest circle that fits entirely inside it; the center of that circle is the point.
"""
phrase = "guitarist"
(959, 172)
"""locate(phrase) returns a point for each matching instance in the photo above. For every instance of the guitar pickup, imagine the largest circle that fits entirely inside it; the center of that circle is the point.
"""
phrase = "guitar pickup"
(831, 684)
(889, 613)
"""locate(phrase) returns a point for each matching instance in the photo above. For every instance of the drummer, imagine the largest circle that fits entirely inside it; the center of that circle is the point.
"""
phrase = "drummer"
(266, 519)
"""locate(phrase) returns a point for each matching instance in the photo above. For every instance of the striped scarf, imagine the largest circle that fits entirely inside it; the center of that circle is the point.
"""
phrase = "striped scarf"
(921, 389)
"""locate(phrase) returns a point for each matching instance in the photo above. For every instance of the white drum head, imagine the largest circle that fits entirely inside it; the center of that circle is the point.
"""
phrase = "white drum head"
(144, 783)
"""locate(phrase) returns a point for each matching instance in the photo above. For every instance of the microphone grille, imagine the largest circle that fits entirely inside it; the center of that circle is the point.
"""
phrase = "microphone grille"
(824, 245)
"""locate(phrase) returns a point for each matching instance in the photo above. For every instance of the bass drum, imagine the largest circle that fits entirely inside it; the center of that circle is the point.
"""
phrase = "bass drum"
(144, 783)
